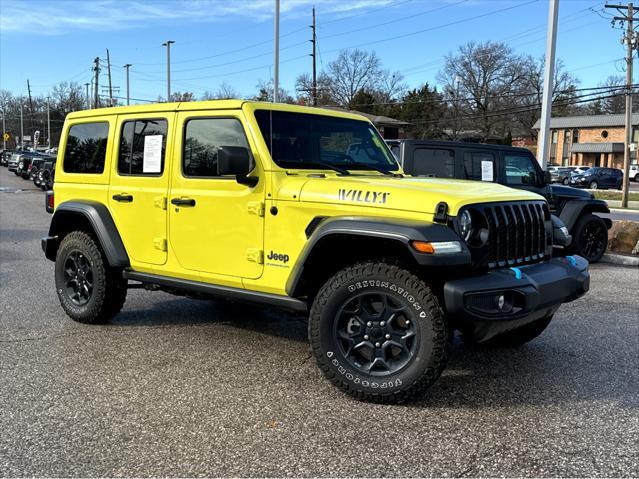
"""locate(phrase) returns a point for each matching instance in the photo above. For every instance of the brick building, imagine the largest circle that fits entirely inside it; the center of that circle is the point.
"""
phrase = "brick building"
(593, 140)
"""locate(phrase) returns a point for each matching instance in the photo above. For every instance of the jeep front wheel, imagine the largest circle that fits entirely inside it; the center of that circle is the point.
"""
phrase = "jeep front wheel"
(378, 333)
(88, 289)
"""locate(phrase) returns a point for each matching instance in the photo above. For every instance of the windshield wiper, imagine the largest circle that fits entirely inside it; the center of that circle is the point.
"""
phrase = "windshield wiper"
(371, 167)
(328, 166)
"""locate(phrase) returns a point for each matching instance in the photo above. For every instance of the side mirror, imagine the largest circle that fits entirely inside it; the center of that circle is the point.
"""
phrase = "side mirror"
(237, 161)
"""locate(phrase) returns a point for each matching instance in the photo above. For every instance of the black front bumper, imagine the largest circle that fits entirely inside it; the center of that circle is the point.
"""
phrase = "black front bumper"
(505, 299)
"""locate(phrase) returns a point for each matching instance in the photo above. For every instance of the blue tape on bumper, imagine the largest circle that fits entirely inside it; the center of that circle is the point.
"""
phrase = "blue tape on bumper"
(517, 272)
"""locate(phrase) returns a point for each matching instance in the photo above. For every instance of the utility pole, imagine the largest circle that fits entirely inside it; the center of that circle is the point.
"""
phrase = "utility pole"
(30, 107)
(21, 128)
(627, 15)
(168, 68)
(128, 97)
(549, 75)
(276, 77)
(88, 99)
(314, 41)
(109, 73)
(96, 80)
(48, 125)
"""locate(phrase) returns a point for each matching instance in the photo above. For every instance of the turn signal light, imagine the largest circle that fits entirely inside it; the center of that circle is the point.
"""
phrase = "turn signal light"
(423, 247)
(437, 247)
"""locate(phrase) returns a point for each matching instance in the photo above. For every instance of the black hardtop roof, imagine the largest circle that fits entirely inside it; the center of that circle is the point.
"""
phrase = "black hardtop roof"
(462, 144)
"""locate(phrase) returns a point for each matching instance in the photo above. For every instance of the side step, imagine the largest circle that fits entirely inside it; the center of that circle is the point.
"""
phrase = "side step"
(279, 301)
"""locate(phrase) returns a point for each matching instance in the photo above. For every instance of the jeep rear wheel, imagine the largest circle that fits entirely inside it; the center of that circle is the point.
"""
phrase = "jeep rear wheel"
(88, 289)
(378, 333)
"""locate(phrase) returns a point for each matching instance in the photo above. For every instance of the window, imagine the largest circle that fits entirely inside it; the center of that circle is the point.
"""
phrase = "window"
(300, 140)
(520, 170)
(434, 162)
(575, 136)
(202, 138)
(604, 134)
(479, 166)
(86, 148)
(142, 147)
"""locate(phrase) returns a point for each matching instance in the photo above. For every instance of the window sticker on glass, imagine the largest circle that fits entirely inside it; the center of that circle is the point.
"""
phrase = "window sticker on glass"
(152, 154)
(486, 171)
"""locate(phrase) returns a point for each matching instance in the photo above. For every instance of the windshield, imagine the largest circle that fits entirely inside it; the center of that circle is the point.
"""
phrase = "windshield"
(300, 140)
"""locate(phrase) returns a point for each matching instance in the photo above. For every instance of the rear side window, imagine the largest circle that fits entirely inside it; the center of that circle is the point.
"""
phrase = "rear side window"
(434, 162)
(142, 147)
(202, 139)
(86, 148)
(479, 166)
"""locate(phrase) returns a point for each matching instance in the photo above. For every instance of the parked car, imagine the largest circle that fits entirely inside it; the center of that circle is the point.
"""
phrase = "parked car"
(25, 163)
(12, 162)
(598, 178)
(36, 165)
(561, 175)
(517, 168)
(4, 157)
(306, 209)
(633, 174)
(46, 175)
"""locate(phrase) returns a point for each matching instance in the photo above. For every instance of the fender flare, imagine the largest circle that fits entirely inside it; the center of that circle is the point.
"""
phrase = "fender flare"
(573, 209)
(99, 217)
(402, 231)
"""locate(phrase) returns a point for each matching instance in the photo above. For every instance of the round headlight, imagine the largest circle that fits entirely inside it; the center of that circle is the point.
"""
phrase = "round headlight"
(466, 225)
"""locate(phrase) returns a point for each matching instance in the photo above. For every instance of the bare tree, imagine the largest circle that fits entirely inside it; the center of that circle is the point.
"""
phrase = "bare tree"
(182, 96)
(485, 75)
(528, 99)
(265, 92)
(67, 97)
(224, 92)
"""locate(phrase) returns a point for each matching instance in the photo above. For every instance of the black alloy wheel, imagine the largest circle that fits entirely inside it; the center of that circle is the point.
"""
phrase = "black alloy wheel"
(78, 278)
(376, 333)
(593, 239)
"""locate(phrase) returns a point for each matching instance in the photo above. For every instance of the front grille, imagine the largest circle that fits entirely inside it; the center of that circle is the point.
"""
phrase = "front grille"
(516, 233)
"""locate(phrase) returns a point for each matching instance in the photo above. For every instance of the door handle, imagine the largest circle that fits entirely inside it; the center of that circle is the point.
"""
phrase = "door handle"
(183, 202)
(123, 197)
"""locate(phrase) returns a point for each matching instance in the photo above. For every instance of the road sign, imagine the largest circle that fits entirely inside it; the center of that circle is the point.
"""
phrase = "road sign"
(6, 137)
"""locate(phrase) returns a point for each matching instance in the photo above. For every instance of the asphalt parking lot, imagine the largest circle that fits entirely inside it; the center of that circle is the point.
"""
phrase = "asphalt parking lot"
(180, 387)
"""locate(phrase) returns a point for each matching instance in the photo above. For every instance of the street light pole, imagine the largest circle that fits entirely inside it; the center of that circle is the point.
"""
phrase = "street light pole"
(4, 130)
(167, 44)
(128, 98)
(549, 75)
(48, 125)
(276, 77)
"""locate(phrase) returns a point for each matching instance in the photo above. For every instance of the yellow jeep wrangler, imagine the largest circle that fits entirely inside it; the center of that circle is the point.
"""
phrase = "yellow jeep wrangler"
(304, 209)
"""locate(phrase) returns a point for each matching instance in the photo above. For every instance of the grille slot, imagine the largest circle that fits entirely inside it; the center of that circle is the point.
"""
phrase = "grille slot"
(516, 234)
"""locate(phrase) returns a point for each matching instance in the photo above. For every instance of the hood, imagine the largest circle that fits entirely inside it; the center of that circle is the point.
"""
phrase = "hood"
(409, 194)
(568, 192)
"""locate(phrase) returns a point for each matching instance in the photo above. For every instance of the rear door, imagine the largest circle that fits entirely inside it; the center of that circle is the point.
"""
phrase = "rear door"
(139, 184)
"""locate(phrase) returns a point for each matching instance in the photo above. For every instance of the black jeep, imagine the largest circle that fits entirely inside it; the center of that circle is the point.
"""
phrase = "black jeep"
(517, 168)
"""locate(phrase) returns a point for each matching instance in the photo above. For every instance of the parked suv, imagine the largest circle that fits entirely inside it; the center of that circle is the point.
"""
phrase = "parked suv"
(598, 178)
(516, 168)
(305, 209)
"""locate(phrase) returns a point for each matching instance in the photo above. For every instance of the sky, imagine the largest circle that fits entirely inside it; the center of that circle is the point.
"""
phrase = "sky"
(231, 41)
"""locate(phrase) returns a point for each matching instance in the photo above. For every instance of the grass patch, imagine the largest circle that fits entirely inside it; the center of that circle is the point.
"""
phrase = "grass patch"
(614, 195)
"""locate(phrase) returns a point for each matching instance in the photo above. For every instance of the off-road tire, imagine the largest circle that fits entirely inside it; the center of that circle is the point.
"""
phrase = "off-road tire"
(109, 288)
(580, 243)
(405, 289)
(520, 336)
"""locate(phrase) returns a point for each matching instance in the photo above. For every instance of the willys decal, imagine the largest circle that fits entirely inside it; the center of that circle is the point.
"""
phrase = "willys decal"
(378, 197)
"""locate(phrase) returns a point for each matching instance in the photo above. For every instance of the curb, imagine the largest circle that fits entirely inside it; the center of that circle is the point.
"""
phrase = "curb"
(620, 259)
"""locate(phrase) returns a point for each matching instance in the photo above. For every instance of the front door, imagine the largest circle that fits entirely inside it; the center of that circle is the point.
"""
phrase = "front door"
(519, 170)
(215, 223)
(139, 185)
